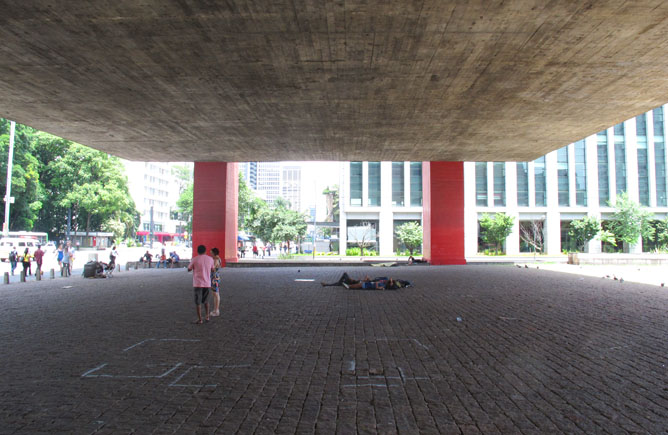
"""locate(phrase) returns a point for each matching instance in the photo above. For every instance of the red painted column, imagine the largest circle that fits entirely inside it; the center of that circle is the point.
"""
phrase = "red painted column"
(443, 212)
(215, 191)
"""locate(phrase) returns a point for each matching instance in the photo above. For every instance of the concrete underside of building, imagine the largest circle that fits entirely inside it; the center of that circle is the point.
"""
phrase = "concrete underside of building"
(424, 81)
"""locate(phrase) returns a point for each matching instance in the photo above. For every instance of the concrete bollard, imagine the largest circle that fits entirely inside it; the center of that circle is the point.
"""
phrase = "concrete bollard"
(127, 265)
(53, 274)
(136, 266)
(38, 274)
(23, 276)
(6, 277)
(118, 267)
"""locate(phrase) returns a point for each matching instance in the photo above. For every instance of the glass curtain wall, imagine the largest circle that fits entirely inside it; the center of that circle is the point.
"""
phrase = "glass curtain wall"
(374, 184)
(499, 184)
(416, 184)
(562, 175)
(580, 173)
(398, 184)
(539, 181)
(481, 184)
(603, 176)
(522, 184)
(620, 158)
(643, 164)
(356, 184)
(659, 157)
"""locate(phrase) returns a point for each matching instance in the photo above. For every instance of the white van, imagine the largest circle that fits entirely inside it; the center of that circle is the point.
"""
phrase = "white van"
(20, 243)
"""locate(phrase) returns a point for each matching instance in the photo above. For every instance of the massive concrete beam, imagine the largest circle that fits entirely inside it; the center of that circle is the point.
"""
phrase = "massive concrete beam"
(330, 80)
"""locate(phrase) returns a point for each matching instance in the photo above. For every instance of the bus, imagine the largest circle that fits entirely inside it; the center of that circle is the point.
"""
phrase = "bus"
(42, 237)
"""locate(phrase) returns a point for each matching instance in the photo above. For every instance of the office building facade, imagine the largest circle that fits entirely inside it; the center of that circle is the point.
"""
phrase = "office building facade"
(544, 196)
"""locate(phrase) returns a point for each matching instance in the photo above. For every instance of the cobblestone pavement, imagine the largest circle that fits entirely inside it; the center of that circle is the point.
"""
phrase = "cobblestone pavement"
(468, 349)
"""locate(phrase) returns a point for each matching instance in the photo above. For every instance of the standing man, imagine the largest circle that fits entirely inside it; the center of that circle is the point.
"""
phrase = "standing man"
(39, 255)
(202, 267)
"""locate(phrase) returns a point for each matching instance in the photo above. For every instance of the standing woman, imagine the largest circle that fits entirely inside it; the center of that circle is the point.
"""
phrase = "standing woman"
(60, 256)
(26, 262)
(215, 281)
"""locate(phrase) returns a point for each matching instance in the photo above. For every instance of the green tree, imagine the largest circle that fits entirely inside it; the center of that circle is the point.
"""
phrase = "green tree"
(495, 230)
(94, 186)
(185, 206)
(183, 174)
(410, 234)
(26, 188)
(630, 220)
(583, 230)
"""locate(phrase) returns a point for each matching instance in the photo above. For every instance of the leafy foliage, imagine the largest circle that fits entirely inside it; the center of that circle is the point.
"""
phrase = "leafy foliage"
(410, 234)
(630, 220)
(495, 230)
(51, 175)
(583, 230)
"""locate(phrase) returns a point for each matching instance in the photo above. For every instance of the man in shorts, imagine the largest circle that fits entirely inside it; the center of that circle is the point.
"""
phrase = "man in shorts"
(202, 267)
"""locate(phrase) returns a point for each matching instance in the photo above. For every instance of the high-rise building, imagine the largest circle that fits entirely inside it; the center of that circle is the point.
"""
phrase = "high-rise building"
(271, 180)
(544, 195)
(154, 189)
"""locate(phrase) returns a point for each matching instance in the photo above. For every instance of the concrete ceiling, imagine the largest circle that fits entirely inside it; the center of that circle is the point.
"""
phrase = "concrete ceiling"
(270, 80)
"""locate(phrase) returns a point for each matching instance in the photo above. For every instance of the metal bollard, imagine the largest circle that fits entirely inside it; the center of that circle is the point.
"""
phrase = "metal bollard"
(38, 274)
(23, 276)
(53, 274)
(6, 277)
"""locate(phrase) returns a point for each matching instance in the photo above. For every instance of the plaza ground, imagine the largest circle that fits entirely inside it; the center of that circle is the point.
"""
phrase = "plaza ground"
(467, 349)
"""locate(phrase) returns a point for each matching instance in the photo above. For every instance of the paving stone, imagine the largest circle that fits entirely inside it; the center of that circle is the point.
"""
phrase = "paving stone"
(121, 355)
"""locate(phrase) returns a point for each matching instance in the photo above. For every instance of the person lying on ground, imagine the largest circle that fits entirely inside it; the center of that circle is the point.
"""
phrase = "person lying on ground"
(379, 283)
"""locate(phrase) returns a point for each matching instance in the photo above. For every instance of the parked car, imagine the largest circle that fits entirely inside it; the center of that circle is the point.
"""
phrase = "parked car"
(20, 243)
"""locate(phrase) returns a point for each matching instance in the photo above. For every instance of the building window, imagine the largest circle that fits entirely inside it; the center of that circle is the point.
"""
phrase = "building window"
(481, 183)
(523, 184)
(398, 184)
(643, 164)
(499, 184)
(562, 175)
(580, 173)
(356, 183)
(416, 184)
(659, 157)
(539, 181)
(603, 176)
(620, 158)
(374, 184)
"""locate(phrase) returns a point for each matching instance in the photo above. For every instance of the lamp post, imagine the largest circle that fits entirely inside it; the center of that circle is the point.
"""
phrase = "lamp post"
(8, 198)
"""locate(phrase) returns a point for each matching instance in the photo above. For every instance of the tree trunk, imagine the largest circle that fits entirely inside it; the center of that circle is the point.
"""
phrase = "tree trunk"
(88, 223)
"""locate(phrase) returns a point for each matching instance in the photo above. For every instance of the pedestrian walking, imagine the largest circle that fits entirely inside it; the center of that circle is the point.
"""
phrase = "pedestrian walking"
(39, 257)
(25, 259)
(59, 255)
(202, 268)
(13, 259)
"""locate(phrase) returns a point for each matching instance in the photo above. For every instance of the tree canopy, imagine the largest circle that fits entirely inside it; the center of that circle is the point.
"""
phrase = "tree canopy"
(51, 175)
(495, 230)
(630, 220)
(583, 230)
(410, 234)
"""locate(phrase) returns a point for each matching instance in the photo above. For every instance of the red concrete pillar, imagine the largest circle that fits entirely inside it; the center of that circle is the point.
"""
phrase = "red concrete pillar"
(215, 191)
(443, 212)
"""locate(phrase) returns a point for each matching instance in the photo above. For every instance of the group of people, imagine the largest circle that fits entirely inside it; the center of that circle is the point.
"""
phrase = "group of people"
(206, 279)
(163, 260)
(64, 256)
